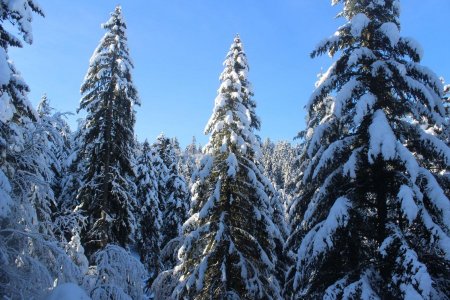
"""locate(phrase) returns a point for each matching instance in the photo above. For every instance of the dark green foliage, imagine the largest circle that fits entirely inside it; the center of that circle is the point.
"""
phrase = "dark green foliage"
(107, 193)
(370, 218)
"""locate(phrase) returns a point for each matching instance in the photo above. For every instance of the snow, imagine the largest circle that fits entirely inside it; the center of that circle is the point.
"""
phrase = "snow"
(358, 54)
(414, 45)
(408, 160)
(221, 229)
(438, 146)
(68, 291)
(437, 196)
(363, 106)
(206, 165)
(223, 270)
(323, 86)
(338, 216)
(322, 79)
(76, 251)
(409, 207)
(6, 108)
(360, 289)
(5, 199)
(201, 270)
(215, 196)
(320, 238)
(316, 138)
(350, 166)
(333, 291)
(114, 266)
(358, 23)
(21, 12)
(232, 164)
(419, 87)
(228, 117)
(333, 150)
(322, 192)
(5, 71)
(385, 245)
(410, 293)
(419, 275)
(391, 31)
(413, 278)
(437, 233)
(344, 95)
(382, 139)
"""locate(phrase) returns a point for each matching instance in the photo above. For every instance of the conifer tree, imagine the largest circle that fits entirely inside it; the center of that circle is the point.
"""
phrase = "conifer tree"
(174, 197)
(160, 167)
(150, 216)
(190, 157)
(107, 193)
(57, 139)
(228, 250)
(74, 166)
(371, 220)
(280, 162)
(68, 219)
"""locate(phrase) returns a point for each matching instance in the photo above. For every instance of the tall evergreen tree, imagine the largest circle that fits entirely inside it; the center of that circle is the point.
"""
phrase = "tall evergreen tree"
(74, 166)
(372, 219)
(150, 215)
(68, 219)
(160, 167)
(175, 200)
(107, 193)
(228, 250)
(57, 139)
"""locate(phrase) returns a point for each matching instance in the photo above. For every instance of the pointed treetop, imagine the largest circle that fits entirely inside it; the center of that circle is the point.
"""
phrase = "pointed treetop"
(145, 146)
(115, 20)
(389, 10)
(111, 58)
(161, 136)
(44, 108)
(233, 121)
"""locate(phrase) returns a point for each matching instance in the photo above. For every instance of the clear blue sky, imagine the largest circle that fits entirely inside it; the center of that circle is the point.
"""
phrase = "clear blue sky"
(178, 47)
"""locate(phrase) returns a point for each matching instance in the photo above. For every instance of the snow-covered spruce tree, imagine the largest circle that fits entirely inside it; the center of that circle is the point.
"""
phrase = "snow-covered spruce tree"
(150, 215)
(74, 166)
(175, 201)
(160, 168)
(370, 220)
(278, 200)
(58, 142)
(55, 143)
(188, 161)
(280, 162)
(228, 250)
(68, 220)
(107, 193)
